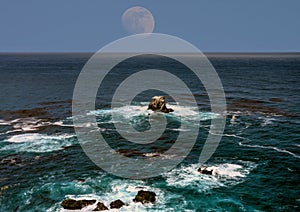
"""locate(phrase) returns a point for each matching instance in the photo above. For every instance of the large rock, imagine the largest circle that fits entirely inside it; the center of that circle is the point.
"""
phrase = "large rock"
(73, 204)
(100, 207)
(159, 103)
(145, 197)
(116, 204)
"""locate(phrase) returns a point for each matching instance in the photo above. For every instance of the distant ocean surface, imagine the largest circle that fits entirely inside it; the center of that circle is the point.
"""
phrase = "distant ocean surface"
(258, 159)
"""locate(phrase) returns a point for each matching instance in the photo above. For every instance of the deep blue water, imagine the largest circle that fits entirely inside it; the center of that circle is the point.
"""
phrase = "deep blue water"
(257, 161)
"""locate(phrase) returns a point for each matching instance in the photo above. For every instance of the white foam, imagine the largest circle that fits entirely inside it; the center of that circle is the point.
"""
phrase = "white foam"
(130, 111)
(29, 124)
(163, 156)
(28, 137)
(3, 122)
(184, 111)
(270, 147)
(267, 121)
(11, 131)
(35, 142)
(152, 154)
(222, 175)
(62, 124)
(24, 124)
(126, 190)
(229, 170)
(233, 119)
(189, 176)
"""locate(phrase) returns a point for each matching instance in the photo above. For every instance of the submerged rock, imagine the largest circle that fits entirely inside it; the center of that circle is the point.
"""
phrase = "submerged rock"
(116, 204)
(100, 207)
(73, 204)
(205, 170)
(159, 103)
(145, 197)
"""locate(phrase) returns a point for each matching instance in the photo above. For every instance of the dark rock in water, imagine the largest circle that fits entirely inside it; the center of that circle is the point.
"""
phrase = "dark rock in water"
(257, 106)
(80, 180)
(204, 170)
(130, 152)
(116, 204)
(100, 207)
(159, 103)
(275, 99)
(73, 204)
(145, 197)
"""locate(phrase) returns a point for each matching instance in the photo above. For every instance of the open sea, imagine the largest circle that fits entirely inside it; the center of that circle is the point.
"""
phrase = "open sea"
(257, 162)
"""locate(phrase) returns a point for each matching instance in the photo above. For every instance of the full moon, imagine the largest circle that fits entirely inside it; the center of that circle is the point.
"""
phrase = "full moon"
(138, 20)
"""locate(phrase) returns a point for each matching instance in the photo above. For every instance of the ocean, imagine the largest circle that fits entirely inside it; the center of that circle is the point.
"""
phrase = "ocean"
(257, 162)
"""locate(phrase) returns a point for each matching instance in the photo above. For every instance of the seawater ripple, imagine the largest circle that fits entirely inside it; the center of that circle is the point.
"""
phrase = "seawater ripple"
(257, 161)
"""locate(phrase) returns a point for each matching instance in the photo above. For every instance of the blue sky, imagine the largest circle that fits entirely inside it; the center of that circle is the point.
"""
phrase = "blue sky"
(211, 25)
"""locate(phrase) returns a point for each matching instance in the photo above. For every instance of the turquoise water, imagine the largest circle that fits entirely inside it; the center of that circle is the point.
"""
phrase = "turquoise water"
(256, 164)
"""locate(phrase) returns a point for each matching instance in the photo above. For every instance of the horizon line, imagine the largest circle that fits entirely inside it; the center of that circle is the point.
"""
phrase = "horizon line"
(204, 52)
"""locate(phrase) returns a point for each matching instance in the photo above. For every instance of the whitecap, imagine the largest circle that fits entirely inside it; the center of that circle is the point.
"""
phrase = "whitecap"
(29, 124)
(229, 135)
(270, 147)
(163, 156)
(267, 121)
(229, 170)
(11, 131)
(3, 122)
(35, 142)
(62, 124)
(223, 175)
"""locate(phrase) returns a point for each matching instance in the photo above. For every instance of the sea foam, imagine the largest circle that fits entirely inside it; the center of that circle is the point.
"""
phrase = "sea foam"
(223, 175)
(35, 142)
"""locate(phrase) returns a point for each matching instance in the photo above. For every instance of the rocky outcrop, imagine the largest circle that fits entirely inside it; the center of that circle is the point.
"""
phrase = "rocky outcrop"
(73, 204)
(142, 196)
(145, 197)
(158, 103)
(100, 207)
(116, 204)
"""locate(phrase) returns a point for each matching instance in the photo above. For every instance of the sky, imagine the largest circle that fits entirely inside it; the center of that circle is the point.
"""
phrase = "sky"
(210, 25)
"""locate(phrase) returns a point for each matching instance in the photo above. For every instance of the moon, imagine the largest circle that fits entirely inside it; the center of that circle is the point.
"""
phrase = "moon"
(138, 20)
